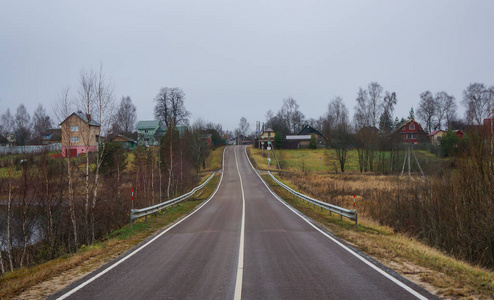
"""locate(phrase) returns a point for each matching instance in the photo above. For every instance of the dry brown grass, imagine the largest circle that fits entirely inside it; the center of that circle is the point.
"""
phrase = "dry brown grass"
(430, 268)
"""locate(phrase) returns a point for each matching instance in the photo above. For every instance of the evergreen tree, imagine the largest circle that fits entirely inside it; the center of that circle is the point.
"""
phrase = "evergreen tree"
(411, 114)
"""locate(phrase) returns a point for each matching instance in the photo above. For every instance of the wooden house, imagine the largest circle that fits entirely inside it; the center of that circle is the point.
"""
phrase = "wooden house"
(411, 132)
(126, 142)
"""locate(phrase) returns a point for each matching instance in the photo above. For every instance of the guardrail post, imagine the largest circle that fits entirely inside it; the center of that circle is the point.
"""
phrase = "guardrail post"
(356, 218)
(131, 221)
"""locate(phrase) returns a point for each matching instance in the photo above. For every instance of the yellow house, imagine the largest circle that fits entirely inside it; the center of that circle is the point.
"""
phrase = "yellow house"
(75, 137)
(267, 135)
(436, 137)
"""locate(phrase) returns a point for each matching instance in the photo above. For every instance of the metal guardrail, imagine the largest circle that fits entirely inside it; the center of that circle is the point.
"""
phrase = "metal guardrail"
(142, 212)
(348, 213)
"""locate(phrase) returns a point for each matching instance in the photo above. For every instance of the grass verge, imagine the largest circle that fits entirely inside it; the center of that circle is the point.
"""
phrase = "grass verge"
(214, 160)
(43, 280)
(427, 267)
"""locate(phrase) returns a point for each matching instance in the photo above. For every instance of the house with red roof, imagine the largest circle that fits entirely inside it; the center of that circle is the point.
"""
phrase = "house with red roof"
(436, 136)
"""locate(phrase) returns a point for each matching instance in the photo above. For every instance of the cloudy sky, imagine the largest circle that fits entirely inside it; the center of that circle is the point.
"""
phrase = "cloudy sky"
(235, 59)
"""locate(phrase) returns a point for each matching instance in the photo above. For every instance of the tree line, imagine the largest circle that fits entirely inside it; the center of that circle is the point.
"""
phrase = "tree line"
(373, 120)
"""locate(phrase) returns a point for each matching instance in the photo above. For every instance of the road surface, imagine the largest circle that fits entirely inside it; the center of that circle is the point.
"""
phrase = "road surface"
(244, 243)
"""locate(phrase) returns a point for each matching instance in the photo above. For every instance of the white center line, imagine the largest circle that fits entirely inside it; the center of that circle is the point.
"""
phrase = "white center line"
(75, 289)
(240, 269)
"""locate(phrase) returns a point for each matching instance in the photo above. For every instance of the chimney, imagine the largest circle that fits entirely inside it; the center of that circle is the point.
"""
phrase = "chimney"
(88, 118)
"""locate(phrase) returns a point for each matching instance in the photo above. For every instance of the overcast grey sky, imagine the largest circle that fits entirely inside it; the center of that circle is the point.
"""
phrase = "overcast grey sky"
(235, 59)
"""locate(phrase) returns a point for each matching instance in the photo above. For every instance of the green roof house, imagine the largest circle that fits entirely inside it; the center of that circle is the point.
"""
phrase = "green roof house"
(147, 132)
(151, 132)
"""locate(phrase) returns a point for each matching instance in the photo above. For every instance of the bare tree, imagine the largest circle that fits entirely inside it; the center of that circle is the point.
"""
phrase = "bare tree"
(10, 173)
(243, 127)
(104, 106)
(22, 125)
(341, 142)
(41, 121)
(445, 109)
(426, 110)
(126, 118)
(86, 104)
(291, 114)
(63, 106)
(8, 123)
(337, 113)
(361, 117)
(375, 102)
(170, 108)
(478, 102)
(386, 119)
(63, 109)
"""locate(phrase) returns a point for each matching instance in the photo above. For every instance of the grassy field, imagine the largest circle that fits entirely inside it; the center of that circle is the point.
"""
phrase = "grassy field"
(304, 160)
(325, 160)
(430, 268)
(43, 280)
(213, 161)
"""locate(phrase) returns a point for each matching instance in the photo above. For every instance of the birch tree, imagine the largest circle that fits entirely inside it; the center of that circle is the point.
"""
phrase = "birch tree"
(104, 108)
(63, 108)
(41, 121)
(478, 101)
(86, 104)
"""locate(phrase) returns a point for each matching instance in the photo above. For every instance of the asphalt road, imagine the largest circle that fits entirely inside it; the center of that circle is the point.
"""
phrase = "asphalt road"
(243, 243)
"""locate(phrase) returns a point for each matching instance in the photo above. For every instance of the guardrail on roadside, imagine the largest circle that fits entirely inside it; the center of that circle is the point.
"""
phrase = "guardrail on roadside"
(348, 213)
(142, 212)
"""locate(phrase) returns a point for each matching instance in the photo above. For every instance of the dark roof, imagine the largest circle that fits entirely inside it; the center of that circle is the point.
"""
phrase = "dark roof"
(310, 130)
(123, 137)
(92, 122)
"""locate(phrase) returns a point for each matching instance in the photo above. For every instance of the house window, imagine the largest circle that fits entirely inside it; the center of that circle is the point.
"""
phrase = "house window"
(74, 139)
(269, 133)
(74, 128)
(145, 131)
(414, 135)
(412, 127)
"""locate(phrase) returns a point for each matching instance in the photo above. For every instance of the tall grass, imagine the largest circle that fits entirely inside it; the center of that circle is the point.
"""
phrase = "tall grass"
(453, 210)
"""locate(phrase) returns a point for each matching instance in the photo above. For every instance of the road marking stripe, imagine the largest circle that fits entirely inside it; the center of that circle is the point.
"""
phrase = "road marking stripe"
(240, 269)
(146, 244)
(399, 283)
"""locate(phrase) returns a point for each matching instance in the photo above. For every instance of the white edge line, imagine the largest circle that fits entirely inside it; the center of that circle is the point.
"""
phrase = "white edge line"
(240, 269)
(399, 283)
(149, 242)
